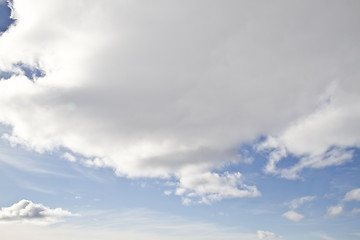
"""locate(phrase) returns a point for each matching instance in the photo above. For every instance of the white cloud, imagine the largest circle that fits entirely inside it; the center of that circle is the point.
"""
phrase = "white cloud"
(293, 216)
(332, 157)
(267, 235)
(208, 187)
(296, 203)
(335, 210)
(321, 139)
(152, 93)
(29, 212)
(353, 195)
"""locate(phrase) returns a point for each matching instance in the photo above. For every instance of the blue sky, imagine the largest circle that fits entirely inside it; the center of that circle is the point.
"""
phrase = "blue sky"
(179, 120)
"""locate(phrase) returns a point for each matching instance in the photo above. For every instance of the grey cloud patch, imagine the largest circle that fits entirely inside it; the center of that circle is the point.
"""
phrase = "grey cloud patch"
(29, 212)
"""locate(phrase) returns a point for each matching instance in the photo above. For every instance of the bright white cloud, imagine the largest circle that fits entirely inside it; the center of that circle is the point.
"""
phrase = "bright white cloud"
(208, 187)
(353, 195)
(267, 235)
(336, 210)
(293, 216)
(29, 212)
(153, 90)
(321, 139)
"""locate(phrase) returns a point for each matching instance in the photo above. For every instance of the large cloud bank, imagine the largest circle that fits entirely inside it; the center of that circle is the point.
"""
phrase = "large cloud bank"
(173, 88)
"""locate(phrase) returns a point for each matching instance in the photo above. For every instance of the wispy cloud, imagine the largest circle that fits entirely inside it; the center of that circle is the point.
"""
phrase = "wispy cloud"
(298, 202)
(267, 235)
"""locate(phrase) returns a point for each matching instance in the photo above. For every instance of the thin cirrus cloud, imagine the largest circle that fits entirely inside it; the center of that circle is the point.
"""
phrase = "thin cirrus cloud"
(151, 93)
(29, 212)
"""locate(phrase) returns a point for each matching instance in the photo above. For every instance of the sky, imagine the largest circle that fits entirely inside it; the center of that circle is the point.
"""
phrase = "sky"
(234, 120)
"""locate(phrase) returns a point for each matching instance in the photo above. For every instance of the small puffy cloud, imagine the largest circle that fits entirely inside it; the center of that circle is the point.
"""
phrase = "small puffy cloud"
(263, 235)
(353, 195)
(293, 216)
(335, 210)
(29, 212)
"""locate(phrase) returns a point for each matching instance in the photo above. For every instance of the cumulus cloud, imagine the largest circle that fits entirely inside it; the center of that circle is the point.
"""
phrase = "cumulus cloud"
(153, 90)
(293, 216)
(336, 210)
(29, 212)
(267, 235)
(353, 195)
